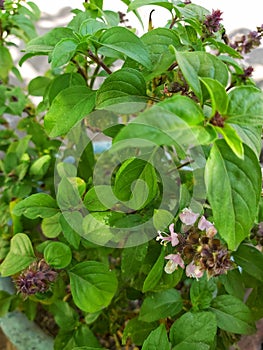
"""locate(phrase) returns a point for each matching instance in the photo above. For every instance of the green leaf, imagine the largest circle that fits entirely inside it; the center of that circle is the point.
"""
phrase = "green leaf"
(20, 256)
(218, 95)
(255, 302)
(93, 285)
(165, 128)
(161, 219)
(46, 43)
(233, 283)
(71, 236)
(232, 139)
(136, 183)
(137, 330)
(38, 85)
(250, 259)
(64, 50)
(62, 82)
(51, 226)
(138, 3)
(201, 293)
(132, 259)
(69, 106)
(6, 62)
(68, 197)
(185, 108)
(233, 315)
(37, 205)
(157, 42)
(5, 302)
(194, 328)
(192, 346)
(233, 191)
(124, 91)
(65, 316)
(57, 255)
(250, 135)
(126, 42)
(91, 26)
(157, 340)
(201, 64)
(99, 198)
(40, 166)
(155, 274)
(161, 305)
(245, 106)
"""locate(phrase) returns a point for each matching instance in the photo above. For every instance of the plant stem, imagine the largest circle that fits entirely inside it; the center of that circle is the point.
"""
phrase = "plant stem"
(99, 62)
(92, 80)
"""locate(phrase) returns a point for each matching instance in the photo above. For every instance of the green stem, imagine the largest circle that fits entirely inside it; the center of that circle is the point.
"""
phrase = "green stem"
(94, 75)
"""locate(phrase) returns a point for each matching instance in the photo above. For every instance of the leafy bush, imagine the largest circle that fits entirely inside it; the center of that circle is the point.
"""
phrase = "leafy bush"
(152, 237)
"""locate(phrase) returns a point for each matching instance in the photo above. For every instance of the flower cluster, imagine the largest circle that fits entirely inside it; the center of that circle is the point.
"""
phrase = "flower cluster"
(196, 247)
(37, 278)
(245, 43)
(212, 22)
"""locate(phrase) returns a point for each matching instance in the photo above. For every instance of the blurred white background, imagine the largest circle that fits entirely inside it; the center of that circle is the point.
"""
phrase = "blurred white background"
(236, 13)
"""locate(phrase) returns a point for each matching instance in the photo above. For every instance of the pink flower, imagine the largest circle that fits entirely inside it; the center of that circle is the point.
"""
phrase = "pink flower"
(204, 224)
(188, 217)
(173, 238)
(174, 261)
(193, 271)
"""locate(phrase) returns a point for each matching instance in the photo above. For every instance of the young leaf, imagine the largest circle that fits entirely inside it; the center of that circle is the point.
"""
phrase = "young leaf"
(138, 3)
(69, 107)
(37, 205)
(123, 91)
(201, 293)
(93, 285)
(157, 340)
(201, 64)
(91, 26)
(40, 166)
(126, 42)
(51, 227)
(161, 305)
(20, 256)
(232, 139)
(64, 50)
(217, 94)
(194, 328)
(233, 191)
(100, 198)
(57, 255)
(136, 183)
(233, 315)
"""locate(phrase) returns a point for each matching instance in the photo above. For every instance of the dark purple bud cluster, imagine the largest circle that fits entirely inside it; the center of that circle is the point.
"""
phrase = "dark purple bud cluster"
(37, 278)
(212, 21)
(2, 4)
(245, 43)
